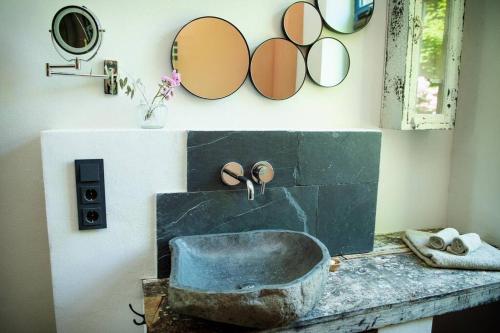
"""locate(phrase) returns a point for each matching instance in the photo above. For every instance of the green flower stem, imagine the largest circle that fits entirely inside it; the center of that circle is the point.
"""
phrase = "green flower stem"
(152, 107)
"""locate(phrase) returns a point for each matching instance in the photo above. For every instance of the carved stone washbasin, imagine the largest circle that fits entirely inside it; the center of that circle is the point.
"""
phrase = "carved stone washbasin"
(263, 278)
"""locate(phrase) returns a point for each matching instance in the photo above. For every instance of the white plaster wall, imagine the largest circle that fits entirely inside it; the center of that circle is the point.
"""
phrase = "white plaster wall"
(414, 166)
(96, 273)
(475, 175)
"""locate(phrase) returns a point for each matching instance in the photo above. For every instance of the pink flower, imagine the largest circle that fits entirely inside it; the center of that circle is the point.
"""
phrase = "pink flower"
(173, 81)
(176, 78)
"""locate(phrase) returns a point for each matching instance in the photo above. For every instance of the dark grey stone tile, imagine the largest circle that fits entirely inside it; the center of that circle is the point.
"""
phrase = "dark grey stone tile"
(329, 158)
(346, 217)
(191, 213)
(207, 152)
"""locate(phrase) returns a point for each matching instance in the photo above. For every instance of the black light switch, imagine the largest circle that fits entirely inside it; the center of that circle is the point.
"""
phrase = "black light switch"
(90, 194)
(89, 170)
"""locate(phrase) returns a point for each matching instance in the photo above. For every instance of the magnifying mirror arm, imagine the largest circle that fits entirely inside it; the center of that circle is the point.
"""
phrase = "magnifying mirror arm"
(49, 67)
(110, 75)
(80, 74)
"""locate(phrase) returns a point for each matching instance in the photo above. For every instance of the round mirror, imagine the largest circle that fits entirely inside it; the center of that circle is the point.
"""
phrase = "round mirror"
(76, 30)
(302, 23)
(212, 56)
(328, 62)
(278, 69)
(346, 16)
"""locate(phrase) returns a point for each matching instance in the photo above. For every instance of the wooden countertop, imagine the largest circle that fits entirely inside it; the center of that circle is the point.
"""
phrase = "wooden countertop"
(387, 286)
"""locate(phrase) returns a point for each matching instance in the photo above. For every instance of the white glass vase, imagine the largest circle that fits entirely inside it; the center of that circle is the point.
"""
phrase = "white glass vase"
(152, 116)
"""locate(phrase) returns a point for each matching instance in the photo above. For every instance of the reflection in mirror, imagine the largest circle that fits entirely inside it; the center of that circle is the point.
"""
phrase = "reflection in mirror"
(302, 23)
(328, 62)
(212, 56)
(431, 70)
(346, 16)
(278, 69)
(76, 30)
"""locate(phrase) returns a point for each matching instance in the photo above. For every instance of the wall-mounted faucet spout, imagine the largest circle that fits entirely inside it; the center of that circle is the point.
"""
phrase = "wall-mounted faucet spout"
(232, 174)
(250, 189)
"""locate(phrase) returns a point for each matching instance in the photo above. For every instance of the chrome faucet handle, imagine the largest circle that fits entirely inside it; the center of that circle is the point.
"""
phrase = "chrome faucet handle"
(232, 174)
(262, 173)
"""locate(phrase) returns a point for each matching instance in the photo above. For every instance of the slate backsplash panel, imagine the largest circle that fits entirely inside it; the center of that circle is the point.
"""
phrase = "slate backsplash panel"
(299, 158)
(325, 184)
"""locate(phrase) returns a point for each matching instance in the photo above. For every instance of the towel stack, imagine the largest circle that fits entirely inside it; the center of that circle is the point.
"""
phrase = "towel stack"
(449, 249)
(450, 240)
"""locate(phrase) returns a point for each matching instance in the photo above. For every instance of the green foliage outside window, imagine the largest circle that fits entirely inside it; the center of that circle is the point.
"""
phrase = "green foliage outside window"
(432, 47)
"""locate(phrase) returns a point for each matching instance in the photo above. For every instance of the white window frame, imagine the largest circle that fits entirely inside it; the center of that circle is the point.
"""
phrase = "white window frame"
(402, 65)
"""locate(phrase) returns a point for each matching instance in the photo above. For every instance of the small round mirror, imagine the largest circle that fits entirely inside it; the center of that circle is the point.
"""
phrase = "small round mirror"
(76, 30)
(346, 16)
(212, 56)
(278, 69)
(302, 23)
(328, 62)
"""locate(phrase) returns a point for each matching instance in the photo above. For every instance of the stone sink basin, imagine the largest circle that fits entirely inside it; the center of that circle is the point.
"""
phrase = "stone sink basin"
(262, 278)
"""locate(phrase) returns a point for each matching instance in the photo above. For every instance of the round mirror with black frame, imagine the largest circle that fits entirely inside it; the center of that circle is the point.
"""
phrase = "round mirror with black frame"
(346, 16)
(277, 69)
(302, 23)
(328, 62)
(212, 56)
(76, 30)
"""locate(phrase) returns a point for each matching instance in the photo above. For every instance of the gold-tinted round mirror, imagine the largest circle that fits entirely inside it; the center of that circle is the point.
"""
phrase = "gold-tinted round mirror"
(278, 69)
(346, 16)
(302, 23)
(212, 56)
(328, 62)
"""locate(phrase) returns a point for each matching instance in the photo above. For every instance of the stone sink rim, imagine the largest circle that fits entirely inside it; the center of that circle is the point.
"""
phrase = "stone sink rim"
(174, 257)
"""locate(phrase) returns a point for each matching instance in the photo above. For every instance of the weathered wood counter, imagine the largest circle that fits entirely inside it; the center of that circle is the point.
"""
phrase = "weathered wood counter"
(387, 286)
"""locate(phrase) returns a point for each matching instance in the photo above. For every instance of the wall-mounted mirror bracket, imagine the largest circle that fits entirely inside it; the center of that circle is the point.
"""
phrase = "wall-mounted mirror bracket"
(110, 73)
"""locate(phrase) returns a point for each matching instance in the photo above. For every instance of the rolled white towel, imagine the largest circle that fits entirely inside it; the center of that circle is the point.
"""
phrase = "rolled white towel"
(465, 244)
(443, 238)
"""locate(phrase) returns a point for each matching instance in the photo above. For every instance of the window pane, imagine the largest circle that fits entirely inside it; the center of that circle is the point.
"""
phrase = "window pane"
(432, 56)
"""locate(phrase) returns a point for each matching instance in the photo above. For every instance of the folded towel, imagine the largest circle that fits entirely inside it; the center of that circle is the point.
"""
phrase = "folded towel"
(440, 240)
(486, 257)
(465, 244)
